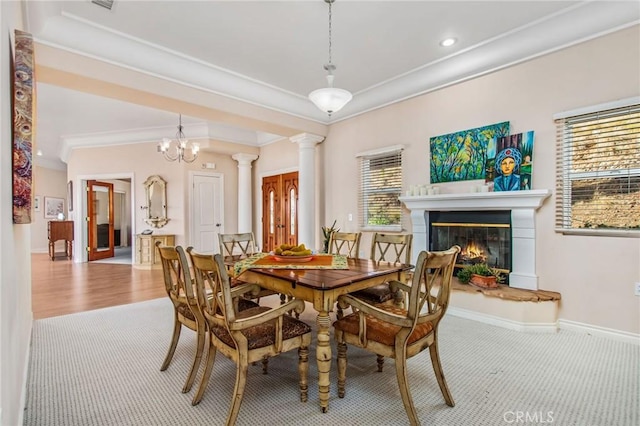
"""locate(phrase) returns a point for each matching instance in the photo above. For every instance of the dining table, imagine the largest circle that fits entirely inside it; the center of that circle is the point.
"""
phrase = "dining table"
(320, 282)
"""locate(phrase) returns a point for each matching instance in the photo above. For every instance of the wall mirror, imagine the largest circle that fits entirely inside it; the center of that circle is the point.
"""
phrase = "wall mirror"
(156, 197)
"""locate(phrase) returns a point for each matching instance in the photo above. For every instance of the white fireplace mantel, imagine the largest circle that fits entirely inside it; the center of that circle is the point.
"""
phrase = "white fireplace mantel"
(523, 206)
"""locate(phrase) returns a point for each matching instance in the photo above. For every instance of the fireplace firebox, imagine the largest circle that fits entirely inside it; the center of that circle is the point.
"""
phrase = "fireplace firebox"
(483, 236)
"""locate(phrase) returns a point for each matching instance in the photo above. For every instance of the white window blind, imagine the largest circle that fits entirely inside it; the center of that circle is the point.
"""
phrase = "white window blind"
(380, 187)
(598, 171)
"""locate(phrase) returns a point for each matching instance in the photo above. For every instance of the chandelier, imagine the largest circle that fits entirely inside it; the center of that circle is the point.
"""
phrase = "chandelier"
(330, 99)
(179, 148)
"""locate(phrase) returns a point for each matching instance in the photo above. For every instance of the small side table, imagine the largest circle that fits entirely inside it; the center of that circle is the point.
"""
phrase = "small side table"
(60, 230)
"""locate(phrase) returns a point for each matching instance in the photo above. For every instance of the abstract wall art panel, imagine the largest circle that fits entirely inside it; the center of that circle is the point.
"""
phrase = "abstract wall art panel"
(23, 125)
(462, 155)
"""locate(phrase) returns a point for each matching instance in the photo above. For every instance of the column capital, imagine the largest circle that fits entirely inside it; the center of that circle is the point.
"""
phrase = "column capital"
(244, 158)
(307, 139)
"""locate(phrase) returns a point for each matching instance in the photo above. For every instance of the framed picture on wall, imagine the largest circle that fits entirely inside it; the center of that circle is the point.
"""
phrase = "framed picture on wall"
(70, 195)
(52, 207)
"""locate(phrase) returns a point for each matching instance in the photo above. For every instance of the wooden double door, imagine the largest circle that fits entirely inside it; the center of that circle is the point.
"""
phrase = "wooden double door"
(279, 210)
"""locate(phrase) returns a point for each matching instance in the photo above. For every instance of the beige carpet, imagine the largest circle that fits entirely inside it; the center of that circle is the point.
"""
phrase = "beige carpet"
(102, 368)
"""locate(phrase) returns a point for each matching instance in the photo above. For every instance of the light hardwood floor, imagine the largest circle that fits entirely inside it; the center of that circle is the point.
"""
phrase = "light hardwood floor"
(62, 287)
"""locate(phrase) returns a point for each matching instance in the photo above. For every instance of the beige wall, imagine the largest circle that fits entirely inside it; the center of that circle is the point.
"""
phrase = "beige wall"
(15, 268)
(46, 183)
(594, 274)
(141, 161)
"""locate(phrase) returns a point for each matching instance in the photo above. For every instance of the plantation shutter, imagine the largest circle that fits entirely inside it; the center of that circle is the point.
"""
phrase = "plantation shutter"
(380, 187)
(598, 170)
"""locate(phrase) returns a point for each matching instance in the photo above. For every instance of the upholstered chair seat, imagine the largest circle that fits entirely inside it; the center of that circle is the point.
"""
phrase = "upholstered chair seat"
(264, 334)
(381, 331)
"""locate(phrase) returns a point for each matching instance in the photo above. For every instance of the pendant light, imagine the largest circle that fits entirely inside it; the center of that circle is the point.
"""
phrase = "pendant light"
(330, 99)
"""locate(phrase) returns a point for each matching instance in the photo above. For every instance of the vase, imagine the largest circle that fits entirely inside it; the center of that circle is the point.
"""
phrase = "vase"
(484, 281)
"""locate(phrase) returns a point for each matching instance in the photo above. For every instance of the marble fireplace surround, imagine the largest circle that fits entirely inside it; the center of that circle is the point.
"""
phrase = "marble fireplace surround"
(523, 206)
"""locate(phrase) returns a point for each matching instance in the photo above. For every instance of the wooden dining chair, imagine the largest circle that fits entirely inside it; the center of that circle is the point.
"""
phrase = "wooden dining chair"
(244, 336)
(395, 248)
(185, 309)
(401, 333)
(345, 243)
(242, 245)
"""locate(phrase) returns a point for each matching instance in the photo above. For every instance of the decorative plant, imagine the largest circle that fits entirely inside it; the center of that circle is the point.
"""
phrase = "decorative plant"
(326, 231)
(464, 275)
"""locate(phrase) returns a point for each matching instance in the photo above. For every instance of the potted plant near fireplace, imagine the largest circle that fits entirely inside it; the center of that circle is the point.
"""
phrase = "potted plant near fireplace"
(480, 275)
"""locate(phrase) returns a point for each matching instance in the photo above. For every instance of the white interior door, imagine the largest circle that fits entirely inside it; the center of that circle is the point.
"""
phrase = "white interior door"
(207, 207)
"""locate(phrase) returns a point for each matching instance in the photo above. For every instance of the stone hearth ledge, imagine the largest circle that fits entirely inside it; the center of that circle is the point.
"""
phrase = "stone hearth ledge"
(507, 307)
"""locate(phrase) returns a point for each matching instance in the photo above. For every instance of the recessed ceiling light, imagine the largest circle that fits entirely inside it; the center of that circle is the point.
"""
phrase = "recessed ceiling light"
(448, 42)
(108, 4)
(39, 153)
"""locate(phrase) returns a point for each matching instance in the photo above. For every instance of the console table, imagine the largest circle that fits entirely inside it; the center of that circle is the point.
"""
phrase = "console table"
(60, 230)
(147, 255)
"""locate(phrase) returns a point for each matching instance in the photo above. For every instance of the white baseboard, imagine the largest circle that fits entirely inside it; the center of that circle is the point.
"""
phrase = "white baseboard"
(503, 322)
(594, 330)
(25, 377)
(40, 250)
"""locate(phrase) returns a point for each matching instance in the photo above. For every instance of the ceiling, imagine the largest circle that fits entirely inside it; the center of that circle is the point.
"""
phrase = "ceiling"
(269, 55)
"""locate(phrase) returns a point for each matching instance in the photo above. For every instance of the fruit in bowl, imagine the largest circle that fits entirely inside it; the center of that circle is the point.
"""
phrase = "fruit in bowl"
(291, 250)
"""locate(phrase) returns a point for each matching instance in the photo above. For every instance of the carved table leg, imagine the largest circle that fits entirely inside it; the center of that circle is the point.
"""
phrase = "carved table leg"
(323, 357)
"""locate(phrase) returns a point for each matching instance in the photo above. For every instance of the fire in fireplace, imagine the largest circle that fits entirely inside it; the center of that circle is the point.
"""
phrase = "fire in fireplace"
(483, 236)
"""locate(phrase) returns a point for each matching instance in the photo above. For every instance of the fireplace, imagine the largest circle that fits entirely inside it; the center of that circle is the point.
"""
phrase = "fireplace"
(483, 236)
(520, 206)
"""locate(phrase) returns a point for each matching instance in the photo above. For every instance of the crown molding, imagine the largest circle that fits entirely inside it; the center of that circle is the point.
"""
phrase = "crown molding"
(73, 34)
(154, 134)
(202, 132)
(570, 26)
(564, 29)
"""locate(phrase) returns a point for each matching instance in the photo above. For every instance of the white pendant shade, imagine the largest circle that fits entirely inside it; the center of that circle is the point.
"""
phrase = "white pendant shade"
(330, 99)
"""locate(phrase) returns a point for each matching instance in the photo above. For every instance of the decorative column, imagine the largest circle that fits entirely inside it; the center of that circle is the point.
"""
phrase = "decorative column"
(307, 187)
(244, 191)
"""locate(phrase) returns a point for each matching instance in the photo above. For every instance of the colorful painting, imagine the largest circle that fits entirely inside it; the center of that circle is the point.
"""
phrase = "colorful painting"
(462, 155)
(22, 106)
(510, 162)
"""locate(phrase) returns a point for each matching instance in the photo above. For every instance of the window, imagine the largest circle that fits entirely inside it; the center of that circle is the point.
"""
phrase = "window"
(380, 187)
(598, 170)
